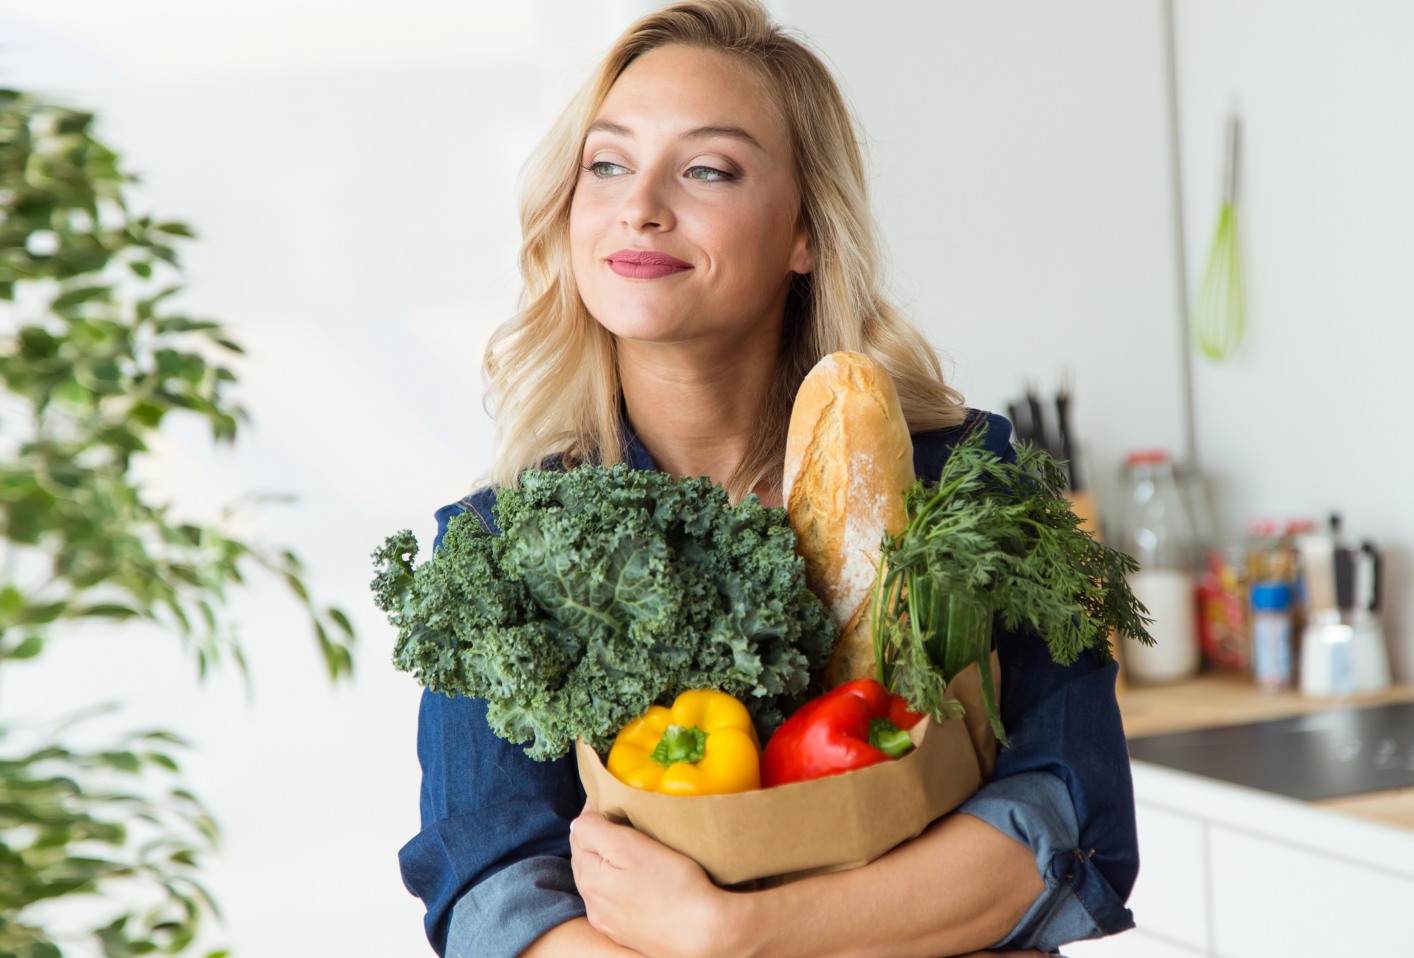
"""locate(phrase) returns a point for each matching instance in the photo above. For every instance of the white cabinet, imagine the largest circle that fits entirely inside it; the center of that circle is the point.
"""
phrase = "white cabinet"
(1274, 898)
(1131, 944)
(1170, 897)
(1230, 872)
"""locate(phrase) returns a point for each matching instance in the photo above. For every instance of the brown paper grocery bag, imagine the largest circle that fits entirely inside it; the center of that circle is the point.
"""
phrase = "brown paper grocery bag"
(837, 822)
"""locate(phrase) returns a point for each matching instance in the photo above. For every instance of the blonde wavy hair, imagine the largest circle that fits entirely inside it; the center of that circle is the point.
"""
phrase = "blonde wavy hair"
(551, 374)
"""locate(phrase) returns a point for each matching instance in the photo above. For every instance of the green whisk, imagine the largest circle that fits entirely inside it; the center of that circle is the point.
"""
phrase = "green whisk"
(1220, 309)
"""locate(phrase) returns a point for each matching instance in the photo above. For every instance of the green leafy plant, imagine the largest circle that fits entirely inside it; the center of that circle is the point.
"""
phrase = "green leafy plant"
(105, 820)
(94, 360)
(994, 542)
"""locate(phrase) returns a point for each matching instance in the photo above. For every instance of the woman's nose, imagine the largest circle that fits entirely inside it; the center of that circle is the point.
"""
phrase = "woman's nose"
(647, 207)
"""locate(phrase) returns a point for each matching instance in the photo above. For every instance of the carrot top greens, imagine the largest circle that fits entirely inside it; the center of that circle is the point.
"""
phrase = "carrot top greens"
(993, 541)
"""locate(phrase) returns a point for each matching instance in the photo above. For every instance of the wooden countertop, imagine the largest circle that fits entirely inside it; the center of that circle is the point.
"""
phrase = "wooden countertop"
(1216, 699)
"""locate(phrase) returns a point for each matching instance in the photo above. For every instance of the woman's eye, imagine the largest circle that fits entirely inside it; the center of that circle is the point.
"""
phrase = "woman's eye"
(707, 173)
(603, 169)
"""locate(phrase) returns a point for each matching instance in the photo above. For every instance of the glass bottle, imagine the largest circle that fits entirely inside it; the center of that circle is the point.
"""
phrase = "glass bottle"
(1158, 531)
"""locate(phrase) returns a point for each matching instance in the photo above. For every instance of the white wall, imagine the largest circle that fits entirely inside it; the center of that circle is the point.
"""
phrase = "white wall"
(1023, 180)
(1021, 174)
(350, 166)
(1305, 418)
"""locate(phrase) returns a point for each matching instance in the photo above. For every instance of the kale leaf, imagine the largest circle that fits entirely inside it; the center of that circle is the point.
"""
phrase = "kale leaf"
(610, 589)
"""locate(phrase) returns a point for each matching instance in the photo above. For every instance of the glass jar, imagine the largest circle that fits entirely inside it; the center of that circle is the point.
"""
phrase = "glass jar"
(1158, 531)
(1224, 623)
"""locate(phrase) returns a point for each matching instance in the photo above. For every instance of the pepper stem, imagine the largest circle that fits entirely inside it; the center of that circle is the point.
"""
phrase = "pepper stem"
(889, 738)
(680, 743)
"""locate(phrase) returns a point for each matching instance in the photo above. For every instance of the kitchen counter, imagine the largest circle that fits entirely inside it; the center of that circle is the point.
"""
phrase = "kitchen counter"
(1217, 700)
(1221, 698)
(1230, 870)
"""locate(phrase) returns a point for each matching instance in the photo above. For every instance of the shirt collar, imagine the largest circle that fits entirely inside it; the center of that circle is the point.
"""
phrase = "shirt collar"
(638, 456)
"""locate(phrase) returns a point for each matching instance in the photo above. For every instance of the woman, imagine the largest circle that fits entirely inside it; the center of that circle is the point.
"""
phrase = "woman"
(696, 237)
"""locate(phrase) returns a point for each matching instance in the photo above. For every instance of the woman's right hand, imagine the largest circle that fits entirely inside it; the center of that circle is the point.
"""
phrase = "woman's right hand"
(643, 895)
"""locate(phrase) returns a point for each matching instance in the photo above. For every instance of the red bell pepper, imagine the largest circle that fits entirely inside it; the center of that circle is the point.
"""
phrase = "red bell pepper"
(853, 726)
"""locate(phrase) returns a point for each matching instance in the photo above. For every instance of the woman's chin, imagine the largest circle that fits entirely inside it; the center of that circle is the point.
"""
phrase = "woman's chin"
(656, 330)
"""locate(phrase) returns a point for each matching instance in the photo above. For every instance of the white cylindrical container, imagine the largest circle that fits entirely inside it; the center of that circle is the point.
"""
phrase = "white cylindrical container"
(1170, 597)
(1158, 531)
(1370, 660)
(1328, 657)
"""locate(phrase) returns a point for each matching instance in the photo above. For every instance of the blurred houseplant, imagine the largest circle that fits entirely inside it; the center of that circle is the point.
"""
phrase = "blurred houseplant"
(93, 361)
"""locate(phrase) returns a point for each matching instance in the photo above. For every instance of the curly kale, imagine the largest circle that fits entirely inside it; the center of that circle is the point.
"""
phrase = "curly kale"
(610, 589)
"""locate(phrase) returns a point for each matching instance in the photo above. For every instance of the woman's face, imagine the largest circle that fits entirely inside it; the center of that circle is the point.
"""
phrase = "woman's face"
(684, 226)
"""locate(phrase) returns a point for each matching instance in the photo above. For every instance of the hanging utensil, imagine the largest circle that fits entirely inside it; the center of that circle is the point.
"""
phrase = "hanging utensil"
(1220, 308)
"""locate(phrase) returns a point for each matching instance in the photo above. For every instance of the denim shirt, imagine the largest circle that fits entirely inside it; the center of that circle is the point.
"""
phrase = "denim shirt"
(492, 860)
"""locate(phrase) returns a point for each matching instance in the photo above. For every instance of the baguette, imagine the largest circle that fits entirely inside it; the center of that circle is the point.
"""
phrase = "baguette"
(848, 468)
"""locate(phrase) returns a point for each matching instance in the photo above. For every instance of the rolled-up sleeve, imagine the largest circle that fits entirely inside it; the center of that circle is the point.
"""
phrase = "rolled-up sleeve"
(491, 863)
(506, 913)
(1062, 787)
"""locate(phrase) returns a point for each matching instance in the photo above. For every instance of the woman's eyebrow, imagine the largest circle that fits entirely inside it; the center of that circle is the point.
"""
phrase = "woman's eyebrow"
(613, 129)
(697, 133)
(730, 132)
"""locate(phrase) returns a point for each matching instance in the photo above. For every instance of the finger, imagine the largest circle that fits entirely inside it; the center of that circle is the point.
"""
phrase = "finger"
(584, 838)
(616, 844)
(595, 859)
(582, 827)
(593, 878)
(584, 857)
(597, 882)
(582, 869)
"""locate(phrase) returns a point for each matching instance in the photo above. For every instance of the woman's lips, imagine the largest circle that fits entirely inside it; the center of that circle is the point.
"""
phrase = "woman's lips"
(645, 264)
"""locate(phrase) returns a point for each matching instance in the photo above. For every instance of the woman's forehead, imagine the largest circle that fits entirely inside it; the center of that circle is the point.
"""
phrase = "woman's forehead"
(677, 88)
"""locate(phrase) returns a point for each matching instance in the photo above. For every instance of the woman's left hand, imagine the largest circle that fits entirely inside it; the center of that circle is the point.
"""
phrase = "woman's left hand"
(644, 895)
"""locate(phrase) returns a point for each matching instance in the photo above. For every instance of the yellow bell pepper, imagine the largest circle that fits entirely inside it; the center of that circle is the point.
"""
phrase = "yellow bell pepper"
(704, 745)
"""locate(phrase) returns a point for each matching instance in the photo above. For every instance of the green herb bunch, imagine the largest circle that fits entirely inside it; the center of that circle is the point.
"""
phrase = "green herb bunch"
(610, 589)
(993, 541)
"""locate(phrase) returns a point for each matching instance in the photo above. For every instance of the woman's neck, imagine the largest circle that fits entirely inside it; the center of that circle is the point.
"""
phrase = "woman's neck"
(696, 416)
